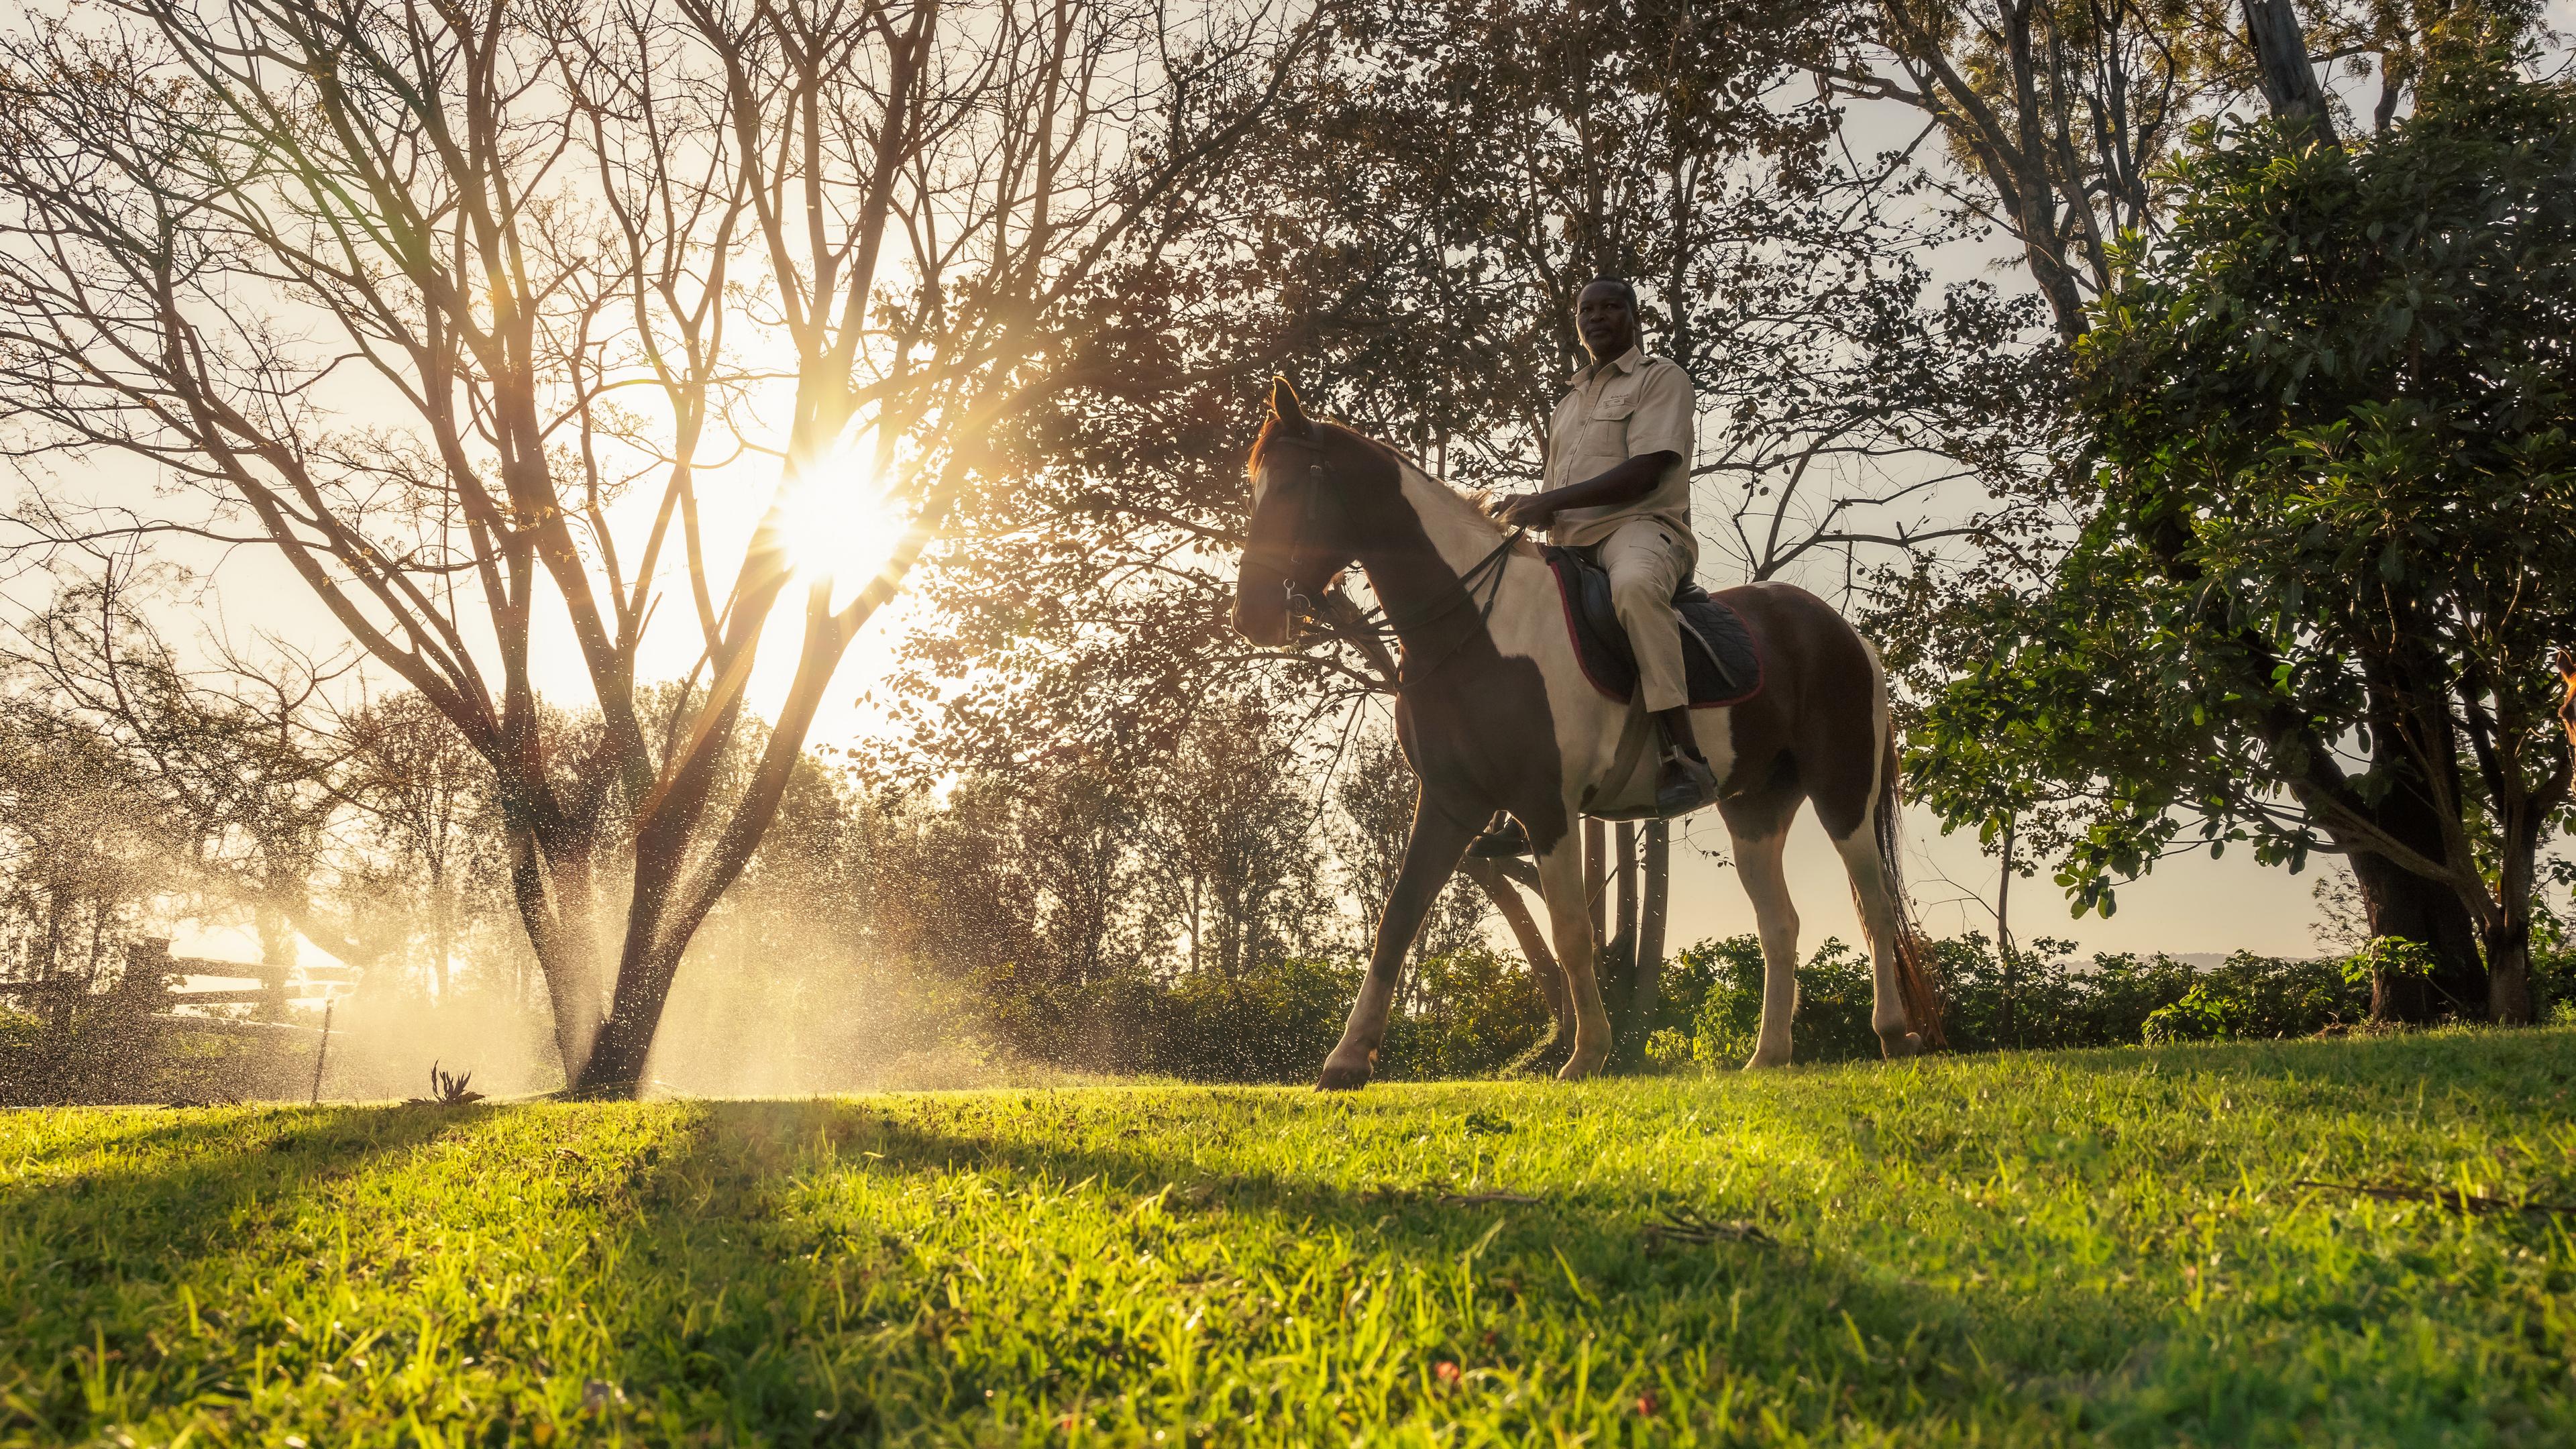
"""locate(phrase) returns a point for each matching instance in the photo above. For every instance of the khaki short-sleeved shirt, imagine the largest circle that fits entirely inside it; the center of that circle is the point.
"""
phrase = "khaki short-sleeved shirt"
(1635, 403)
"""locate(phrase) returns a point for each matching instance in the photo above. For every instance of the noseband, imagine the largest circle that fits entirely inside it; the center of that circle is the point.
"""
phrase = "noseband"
(1304, 612)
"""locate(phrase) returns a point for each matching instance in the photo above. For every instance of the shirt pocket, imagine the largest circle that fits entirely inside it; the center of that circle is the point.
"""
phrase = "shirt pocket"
(1605, 427)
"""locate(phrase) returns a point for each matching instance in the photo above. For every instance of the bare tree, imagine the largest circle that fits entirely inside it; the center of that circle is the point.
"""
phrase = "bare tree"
(1231, 871)
(431, 829)
(235, 759)
(2059, 112)
(458, 311)
(83, 848)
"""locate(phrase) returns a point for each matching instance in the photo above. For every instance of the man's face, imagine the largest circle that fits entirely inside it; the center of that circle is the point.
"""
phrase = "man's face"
(1601, 314)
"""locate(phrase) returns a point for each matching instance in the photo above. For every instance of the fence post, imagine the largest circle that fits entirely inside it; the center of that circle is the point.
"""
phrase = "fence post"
(323, 1053)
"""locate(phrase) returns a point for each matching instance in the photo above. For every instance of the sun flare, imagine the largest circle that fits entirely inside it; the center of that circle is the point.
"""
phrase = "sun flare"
(837, 522)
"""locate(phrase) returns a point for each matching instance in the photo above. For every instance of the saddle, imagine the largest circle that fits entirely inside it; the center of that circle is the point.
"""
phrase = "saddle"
(1720, 657)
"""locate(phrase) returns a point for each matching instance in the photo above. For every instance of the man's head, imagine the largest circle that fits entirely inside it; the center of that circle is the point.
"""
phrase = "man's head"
(1605, 315)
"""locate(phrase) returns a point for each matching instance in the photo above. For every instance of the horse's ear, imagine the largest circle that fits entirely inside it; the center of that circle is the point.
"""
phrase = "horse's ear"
(1285, 407)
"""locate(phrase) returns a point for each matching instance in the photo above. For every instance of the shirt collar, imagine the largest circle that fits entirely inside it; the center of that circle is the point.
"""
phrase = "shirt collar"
(1625, 362)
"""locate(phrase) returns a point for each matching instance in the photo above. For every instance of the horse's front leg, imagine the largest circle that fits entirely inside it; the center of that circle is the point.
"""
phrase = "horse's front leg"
(1430, 857)
(1569, 919)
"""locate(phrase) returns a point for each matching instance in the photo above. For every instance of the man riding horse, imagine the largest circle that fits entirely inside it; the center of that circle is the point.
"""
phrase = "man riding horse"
(1617, 486)
(1496, 712)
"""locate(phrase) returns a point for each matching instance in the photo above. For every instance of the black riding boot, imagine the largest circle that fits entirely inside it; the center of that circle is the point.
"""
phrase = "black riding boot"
(1685, 783)
(1503, 839)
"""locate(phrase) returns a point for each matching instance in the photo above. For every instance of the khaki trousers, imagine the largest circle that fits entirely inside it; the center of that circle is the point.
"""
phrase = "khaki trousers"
(1647, 559)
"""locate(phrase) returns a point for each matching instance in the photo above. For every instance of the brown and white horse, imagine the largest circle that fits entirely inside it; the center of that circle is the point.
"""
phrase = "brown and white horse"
(1495, 714)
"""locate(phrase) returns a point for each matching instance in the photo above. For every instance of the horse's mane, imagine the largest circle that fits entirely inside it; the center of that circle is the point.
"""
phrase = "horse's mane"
(1328, 435)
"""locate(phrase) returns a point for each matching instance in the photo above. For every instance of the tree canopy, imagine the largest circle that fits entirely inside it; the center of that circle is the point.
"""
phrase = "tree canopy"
(2325, 539)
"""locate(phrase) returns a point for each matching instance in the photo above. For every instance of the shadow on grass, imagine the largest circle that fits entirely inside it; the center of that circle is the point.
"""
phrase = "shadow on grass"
(840, 1318)
(788, 1358)
(85, 1254)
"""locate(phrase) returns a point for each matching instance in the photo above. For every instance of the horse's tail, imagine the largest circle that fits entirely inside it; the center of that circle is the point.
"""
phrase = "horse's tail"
(1917, 974)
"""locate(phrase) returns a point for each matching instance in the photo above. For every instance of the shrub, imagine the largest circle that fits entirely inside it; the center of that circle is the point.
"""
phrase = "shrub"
(1463, 1014)
(1272, 1023)
(2197, 1017)
(2046, 999)
(1471, 1012)
(1722, 982)
(1467, 1014)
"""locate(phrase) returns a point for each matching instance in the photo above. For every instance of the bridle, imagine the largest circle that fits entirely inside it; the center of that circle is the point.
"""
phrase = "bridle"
(1301, 609)
(1485, 575)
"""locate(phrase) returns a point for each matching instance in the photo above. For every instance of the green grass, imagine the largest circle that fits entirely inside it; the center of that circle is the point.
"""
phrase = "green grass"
(2090, 1247)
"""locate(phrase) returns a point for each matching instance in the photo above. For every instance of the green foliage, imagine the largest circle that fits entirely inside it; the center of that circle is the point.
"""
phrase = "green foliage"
(1273, 1023)
(2197, 1017)
(2108, 1248)
(2046, 1000)
(1462, 1014)
(1465, 1014)
(1470, 1012)
(2390, 956)
(2333, 530)
(1716, 987)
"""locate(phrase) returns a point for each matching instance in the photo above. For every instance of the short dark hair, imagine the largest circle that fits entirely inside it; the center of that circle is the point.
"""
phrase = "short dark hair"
(1627, 293)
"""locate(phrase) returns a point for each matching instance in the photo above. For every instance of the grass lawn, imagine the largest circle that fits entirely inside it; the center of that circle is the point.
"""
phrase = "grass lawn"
(2092, 1247)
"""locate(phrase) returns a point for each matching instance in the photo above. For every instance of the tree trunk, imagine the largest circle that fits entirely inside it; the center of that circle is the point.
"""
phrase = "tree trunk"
(2289, 80)
(2399, 903)
(552, 889)
(443, 948)
(1617, 966)
(277, 955)
(1596, 878)
(2507, 913)
(1545, 973)
(2509, 971)
(2010, 1035)
(615, 1070)
(1650, 927)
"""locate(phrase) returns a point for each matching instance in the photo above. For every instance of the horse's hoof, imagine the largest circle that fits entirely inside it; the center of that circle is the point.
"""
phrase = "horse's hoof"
(1342, 1079)
(1897, 1048)
(1580, 1065)
(1764, 1061)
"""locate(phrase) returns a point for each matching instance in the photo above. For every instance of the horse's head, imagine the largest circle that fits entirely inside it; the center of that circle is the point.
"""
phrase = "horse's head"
(1302, 534)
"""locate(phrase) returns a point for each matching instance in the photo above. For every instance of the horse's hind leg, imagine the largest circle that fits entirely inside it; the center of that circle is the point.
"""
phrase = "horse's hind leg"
(1430, 856)
(1855, 769)
(1882, 919)
(1760, 832)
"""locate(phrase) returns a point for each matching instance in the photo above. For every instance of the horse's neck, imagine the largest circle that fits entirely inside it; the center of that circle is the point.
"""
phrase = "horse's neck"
(1458, 533)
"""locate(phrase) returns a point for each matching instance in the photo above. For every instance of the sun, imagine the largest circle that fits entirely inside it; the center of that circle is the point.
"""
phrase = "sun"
(837, 522)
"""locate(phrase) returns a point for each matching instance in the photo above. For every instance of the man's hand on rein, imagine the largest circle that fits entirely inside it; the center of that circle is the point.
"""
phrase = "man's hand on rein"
(1526, 510)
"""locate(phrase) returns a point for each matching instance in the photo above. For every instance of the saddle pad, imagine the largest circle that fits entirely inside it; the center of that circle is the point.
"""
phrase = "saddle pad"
(1719, 655)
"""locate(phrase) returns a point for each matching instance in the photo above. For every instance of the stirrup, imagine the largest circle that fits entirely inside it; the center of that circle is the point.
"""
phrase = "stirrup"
(1684, 783)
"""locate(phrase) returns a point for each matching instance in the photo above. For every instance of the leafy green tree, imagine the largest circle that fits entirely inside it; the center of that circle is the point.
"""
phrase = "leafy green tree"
(2328, 541)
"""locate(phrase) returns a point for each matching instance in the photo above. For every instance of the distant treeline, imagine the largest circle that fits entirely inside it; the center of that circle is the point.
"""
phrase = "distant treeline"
(1474, 1012)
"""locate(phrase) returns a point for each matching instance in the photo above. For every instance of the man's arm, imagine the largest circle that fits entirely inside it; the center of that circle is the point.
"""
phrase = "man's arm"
(1659, 429)
(1625, 483)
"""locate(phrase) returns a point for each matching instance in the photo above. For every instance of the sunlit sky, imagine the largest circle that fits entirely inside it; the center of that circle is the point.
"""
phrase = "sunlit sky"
(2189, 904)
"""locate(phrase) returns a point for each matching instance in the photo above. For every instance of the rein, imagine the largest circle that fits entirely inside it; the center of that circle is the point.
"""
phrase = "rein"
(1468, 582)
(1485, 574)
